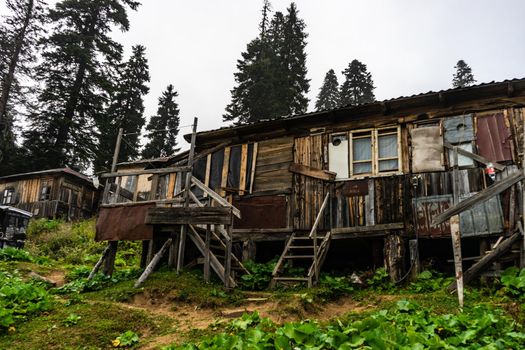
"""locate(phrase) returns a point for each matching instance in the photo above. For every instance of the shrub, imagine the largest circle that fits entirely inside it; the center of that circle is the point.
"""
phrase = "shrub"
(514, 282)
(260, 275)
(20, 299)
(380, 280)
(428, 281)
(14, 254)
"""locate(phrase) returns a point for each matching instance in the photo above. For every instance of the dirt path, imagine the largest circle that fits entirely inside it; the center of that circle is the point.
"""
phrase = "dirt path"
(186, 317)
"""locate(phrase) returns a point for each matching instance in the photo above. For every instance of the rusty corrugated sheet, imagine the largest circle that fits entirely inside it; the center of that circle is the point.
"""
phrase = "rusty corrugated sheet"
(427, 208)
(494, 138)
(262, 212)
(123, 223)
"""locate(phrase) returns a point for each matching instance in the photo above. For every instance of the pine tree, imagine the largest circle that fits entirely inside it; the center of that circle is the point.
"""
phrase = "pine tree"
(293, 59)
(163, 127)
(328, 97)
(79, 62)
(271, 76)
(126, 111)
(463, 76)
(19, 36)
(358, 86)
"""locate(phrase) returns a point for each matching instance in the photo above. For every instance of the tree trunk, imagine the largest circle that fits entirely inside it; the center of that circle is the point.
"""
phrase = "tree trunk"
(7, 82)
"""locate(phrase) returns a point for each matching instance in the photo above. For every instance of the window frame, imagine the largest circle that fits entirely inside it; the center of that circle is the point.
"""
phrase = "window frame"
(9, 192)
(375, 133)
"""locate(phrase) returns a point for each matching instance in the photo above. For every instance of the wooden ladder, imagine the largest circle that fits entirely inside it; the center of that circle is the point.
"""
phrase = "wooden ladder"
(310, 248)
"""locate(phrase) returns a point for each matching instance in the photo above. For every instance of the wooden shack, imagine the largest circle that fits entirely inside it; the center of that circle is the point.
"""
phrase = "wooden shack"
(55, 193)
(358, 181)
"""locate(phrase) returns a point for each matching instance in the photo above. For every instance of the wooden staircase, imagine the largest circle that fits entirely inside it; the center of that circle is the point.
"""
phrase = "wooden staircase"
(216, 246)
(310, 249)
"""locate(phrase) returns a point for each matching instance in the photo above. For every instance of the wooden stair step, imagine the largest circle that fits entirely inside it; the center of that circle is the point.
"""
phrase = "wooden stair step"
(301, 247)
(291, 279)
(298, 256)
(307, 238)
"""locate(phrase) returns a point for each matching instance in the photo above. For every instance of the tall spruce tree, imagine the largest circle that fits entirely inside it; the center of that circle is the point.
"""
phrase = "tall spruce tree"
(463, 76)
(163, 127)
(271, 76)
(126, 111)
(328, 97)
(293, 59)
(79, 62)
(358, 86)
(20, 32)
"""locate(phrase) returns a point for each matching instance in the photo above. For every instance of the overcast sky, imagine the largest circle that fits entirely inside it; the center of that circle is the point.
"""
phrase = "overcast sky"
(409, 46)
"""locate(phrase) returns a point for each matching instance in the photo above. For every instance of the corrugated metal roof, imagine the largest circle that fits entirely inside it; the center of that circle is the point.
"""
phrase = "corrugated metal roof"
(49, 171)
(395, 99)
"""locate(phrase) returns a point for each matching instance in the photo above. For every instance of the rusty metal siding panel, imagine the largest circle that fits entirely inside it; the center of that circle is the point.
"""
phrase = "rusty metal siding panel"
(494, 138)
(262, 212)
(427, 149)
(123, 223)
(427, 208)
(483, 219)
(459, 129)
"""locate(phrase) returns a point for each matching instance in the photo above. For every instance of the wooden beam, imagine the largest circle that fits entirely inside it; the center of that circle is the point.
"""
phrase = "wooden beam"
(254, 163)
(211, 150)
(312, 172)
(476, 157)
(479, 197)
(225, 170)
(195, 199)
(153, 263)
(244, 164)
(488, 259)
(99, 262)
(159, 171)
(455, 232)
(318, 218)
(215, 196)
(188, 215)
(110, 258)
(367, 229)
(154, 201)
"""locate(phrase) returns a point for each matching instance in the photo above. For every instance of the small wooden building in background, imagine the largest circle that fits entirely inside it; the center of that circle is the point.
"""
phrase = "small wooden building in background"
(54, 193)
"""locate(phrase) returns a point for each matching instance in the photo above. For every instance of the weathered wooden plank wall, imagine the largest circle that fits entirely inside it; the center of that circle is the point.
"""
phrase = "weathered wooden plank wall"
(273, 160)
(309, 192)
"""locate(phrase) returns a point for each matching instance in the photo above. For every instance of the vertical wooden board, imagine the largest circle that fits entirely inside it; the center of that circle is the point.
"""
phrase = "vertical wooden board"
(208, 171)
(235, 167)
(171, 185)
(254, 163)
(243, 169)
(225, 167)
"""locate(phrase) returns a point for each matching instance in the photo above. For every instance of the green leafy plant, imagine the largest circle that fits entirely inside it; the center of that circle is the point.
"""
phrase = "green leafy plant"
(128, 338)
(14, 254)
(260, 275)
(71, 320)
(404, 326)
(428, 281)
(19, 300)
(513, 280)
(98, 282)
(380, 280)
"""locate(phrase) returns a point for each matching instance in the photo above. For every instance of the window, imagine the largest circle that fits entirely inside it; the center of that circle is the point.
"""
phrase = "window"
(367, 152)
(8, 196)
(45, 192)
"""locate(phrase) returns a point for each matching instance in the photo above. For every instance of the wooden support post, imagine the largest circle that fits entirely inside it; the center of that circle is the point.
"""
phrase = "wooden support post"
(414, 259)
(455, 232)
(153, 263)
(110, 258)
(207, 254)
(228, 259)
(144, 255)
(173, 250)
(393, 256)
(187, 189)
(151, 249)
(249, 250)
(113, 165)
(99, 262)
(475, 269)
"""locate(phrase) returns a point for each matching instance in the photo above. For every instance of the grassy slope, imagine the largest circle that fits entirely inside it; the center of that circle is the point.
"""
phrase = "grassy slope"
(105, 314)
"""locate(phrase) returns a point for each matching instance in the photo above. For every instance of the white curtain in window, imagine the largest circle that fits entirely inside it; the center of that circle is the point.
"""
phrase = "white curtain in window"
(362, 154)
(387, 148)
